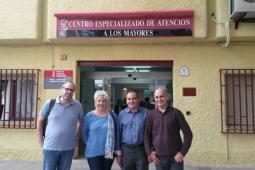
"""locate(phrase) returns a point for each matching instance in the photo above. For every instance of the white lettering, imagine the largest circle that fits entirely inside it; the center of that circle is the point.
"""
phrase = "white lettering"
(112, 33)
(105, 34)
(150, 23)
(174, 22)
(138, 33)
(120, 23)
(115, 33)
(79, 24)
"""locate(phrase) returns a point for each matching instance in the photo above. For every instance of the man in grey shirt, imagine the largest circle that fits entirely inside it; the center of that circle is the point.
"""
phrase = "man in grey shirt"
(62, 131)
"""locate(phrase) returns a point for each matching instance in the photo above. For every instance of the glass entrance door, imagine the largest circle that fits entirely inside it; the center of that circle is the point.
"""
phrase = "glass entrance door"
(117, 83)
(144, 86)
(118, 80)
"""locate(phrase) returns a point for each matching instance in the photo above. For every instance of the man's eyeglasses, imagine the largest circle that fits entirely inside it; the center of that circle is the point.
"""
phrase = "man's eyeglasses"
(68, 89)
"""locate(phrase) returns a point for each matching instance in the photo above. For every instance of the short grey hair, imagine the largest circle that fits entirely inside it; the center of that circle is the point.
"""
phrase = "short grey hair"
(101, 93)
(164, 89)
(104, 95)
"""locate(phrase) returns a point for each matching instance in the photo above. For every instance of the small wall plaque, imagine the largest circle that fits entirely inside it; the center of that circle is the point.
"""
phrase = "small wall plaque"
(184, 71)
(189, 91)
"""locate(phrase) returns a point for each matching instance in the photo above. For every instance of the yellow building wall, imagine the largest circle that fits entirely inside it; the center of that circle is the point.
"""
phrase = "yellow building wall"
(203, 62)
(210, 147)
(85, 6)
(33, 21)
(20, 20)
(19, 144)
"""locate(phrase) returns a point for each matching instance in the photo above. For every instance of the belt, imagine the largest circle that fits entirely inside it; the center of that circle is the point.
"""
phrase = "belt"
(131, 146)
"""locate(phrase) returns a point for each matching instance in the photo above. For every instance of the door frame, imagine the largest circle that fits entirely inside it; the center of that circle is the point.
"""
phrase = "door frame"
(161, 63)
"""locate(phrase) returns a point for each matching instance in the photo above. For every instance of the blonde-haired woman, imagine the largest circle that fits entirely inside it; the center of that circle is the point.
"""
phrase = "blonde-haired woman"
(100, 133)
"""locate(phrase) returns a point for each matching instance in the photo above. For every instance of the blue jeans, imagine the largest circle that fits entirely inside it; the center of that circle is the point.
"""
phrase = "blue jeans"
(167, 163)
(100, 163)
(57, 160)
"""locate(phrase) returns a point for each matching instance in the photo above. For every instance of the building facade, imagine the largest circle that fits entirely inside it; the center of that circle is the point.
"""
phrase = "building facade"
(210, 74)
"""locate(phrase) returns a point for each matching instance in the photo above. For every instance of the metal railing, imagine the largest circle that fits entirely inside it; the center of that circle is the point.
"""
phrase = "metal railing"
(19, 93)
(237, 88)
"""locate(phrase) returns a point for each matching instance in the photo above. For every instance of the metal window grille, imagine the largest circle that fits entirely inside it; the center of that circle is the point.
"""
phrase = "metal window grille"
(237, 101)
(19, 92)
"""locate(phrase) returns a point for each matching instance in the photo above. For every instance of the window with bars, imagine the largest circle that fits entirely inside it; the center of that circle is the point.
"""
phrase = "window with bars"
(237, 101)
(19, 91)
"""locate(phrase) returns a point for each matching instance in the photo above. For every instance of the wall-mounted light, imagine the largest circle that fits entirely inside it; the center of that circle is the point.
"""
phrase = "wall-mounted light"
(141, 69)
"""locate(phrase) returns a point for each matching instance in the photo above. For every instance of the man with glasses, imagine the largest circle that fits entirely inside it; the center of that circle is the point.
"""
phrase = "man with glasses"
(62, 130)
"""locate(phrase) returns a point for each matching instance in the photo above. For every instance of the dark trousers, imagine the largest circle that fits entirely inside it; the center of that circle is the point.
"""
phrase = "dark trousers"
(167, 163)
(100, 163)
(134, 157)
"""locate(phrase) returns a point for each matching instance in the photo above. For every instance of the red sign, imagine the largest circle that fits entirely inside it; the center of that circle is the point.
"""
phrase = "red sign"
(58, 73)
(54, 79)
(136, 24)
(189, 91)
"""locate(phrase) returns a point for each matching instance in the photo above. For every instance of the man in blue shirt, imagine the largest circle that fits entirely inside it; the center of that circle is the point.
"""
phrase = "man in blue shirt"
(62, 131)
(132, 122)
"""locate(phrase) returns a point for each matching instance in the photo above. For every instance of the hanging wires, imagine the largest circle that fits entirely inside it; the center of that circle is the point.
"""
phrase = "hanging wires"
(52, 58)
(226, 26)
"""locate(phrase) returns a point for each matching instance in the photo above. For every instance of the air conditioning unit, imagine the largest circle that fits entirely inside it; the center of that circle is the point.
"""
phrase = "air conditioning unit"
(242, 10)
